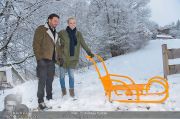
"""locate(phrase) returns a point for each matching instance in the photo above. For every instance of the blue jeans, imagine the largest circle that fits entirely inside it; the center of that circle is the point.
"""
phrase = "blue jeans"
(62, 77)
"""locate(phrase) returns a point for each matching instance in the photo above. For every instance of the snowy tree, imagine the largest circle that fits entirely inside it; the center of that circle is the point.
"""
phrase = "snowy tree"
(119, 26)
(178, 25)
(17, 31)
(109, 27)
(175, 29)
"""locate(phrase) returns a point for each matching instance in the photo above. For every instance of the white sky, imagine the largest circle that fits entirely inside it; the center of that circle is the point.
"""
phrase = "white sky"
(165, 11)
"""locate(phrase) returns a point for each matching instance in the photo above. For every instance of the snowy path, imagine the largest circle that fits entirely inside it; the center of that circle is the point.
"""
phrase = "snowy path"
(140, 65)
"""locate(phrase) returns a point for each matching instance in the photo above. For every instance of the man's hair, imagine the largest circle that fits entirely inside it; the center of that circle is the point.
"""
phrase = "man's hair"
(51, 16)
(71, 18)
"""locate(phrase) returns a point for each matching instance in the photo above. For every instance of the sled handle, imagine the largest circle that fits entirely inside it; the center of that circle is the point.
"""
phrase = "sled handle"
(95, 64)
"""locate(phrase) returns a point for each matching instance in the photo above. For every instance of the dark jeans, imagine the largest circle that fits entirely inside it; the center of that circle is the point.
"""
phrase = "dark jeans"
(45, 74)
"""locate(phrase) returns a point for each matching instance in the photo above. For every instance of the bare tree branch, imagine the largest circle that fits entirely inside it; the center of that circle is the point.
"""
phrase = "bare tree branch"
(19, 20)
(10, 37)
(20, 62)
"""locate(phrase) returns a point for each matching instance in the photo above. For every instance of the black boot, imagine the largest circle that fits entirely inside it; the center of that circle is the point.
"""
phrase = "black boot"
(42, 106)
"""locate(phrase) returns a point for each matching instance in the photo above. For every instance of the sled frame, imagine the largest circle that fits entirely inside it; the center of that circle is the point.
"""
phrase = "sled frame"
(129, 86)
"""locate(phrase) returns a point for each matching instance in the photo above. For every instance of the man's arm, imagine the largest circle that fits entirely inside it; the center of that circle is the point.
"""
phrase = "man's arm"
(61, 45)
(37, 41)
(60, 49)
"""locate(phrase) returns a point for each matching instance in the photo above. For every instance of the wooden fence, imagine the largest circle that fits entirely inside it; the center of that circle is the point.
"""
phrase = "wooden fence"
(170, 54)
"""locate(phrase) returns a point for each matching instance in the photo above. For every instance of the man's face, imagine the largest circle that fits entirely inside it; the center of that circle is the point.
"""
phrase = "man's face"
(53, 22)
(72, 23)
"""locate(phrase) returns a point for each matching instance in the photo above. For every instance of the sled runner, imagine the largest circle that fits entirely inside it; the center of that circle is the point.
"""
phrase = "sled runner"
(156, 90)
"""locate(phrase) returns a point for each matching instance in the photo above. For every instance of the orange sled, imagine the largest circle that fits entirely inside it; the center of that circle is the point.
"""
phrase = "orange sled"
(124, 87)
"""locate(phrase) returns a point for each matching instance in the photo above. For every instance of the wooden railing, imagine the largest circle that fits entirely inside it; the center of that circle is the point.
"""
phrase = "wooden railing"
(170, 54)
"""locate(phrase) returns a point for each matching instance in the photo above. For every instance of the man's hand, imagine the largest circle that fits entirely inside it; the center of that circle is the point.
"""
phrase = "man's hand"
(61, 61)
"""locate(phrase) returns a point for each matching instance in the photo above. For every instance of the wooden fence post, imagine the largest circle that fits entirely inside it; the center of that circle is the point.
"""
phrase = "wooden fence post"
(165, 60)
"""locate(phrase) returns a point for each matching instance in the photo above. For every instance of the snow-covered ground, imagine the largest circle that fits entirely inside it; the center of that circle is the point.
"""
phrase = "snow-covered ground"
(140, 65)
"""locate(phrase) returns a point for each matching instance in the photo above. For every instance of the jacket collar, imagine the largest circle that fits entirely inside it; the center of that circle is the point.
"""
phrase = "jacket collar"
(50, 33)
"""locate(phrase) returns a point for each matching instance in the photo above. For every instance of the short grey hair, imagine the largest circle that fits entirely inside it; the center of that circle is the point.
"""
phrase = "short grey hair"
(71, 18)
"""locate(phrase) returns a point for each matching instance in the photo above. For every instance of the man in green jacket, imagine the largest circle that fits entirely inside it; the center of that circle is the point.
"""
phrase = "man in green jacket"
(71, 40)
(45, 46)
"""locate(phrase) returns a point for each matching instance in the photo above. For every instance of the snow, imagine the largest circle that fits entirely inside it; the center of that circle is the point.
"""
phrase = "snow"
(140, 65)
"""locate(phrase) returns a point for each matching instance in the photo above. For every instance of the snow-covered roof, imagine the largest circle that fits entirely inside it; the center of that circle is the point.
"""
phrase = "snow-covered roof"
(5, 68)
(164, 36)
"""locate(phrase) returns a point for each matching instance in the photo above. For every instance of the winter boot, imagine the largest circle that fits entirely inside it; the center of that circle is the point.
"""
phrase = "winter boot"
(63, 92)
(42, 106)
(71, 92)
